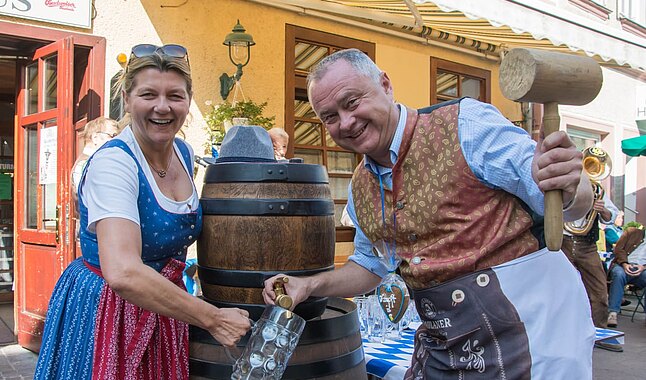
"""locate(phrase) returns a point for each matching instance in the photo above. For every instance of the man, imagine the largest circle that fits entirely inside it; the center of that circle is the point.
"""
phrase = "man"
(581, 249)
(451, 188)
(630, 262)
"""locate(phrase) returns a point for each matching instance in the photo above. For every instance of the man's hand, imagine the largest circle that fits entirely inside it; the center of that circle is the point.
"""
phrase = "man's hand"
(297, 287)
(633, 270)
(600, 207)
(557, 165)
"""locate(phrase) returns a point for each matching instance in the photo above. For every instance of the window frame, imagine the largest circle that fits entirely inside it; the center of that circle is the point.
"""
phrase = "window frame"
(296, 89)
(462, 71)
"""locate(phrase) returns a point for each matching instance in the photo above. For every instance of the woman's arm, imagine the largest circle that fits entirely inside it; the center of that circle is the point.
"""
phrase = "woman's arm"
(120, 256)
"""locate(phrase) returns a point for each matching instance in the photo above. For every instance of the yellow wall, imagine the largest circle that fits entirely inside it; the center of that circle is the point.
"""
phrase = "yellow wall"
(202, 26)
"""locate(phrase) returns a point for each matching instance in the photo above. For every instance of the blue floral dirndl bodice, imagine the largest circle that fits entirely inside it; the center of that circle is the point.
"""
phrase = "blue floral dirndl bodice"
(164, 235)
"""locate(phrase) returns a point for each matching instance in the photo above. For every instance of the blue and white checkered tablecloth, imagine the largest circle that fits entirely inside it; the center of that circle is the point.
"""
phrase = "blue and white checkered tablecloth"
(390, 360)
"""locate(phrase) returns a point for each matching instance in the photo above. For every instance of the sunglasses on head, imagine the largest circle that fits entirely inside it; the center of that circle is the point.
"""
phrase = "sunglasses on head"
(170, 50)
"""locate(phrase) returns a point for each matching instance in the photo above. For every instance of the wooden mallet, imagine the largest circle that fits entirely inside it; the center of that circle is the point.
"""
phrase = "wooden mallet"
(551, 78)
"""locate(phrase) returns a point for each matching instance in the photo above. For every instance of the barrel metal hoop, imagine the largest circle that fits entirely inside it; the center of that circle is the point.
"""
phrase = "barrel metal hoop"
(231, 172)
(316, 330)
(310, 308)
(325, 367)
(267, 207)
(247, 278)
(317, 369)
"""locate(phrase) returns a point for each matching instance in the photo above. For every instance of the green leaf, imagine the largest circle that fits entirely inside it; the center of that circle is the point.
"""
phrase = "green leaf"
(218, 113)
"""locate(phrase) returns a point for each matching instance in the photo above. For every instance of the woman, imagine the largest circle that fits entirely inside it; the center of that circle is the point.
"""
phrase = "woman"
(121, 312)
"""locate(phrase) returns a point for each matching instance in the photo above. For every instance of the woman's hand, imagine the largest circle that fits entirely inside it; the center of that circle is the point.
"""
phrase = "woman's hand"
(230, 325)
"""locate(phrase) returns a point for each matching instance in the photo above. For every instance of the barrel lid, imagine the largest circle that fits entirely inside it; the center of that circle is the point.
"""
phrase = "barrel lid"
(226, 172)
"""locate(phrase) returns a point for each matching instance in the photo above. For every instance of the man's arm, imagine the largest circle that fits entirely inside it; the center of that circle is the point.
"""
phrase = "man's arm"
(580, 202)
(557, 165)
(622, 246)
(504, 156)
(360, 274)
(607, 210)
(348, 281)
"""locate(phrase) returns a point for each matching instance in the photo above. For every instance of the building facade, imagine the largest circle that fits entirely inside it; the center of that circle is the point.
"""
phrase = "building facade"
(57, 69)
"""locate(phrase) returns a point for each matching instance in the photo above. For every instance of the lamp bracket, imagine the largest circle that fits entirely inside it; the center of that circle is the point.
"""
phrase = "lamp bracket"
(228, 81)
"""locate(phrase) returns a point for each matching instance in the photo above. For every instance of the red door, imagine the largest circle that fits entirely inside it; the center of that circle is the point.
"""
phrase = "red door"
(44, 149)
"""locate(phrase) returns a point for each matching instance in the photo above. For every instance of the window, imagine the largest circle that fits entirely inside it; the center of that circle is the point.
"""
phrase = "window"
(308, 137)
(635, 10)
(450, 80)
(583, 139)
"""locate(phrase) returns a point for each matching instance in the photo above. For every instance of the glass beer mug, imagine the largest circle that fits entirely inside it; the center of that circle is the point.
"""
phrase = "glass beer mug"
(273, 340)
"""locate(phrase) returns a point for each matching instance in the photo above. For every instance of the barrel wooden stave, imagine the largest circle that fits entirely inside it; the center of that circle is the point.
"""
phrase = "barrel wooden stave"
(263, 243)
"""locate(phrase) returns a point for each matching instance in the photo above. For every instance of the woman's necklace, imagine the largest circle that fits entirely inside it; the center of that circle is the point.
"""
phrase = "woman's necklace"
(161, 172)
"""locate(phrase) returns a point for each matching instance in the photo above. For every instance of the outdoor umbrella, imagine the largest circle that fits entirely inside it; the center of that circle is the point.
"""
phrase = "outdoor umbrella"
(634, 147)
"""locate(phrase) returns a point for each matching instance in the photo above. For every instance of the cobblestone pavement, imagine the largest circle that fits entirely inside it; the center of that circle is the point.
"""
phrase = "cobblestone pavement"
(16, 363)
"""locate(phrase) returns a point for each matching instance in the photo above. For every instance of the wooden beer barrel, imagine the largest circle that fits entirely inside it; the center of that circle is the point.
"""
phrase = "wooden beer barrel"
(329, 348)
(261, 219)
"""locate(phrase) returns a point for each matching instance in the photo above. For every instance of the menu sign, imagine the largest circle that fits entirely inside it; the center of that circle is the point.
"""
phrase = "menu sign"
(66, 12)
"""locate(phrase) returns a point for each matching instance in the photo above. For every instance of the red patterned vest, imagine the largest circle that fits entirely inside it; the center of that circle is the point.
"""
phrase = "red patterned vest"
(450, 222)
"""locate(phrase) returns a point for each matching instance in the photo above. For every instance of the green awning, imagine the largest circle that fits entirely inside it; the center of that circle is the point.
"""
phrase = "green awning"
(634, 147)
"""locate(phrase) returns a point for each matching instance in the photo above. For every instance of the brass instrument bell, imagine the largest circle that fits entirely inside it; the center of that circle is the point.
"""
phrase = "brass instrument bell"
(597, 165)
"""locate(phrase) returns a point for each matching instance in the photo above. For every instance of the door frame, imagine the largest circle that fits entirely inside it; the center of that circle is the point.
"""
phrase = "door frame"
(87, 103)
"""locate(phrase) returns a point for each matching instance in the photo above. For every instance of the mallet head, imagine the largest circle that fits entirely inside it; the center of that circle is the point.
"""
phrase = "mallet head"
(542, 76)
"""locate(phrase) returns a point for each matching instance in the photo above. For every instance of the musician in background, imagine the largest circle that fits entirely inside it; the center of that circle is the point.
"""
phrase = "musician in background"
(580, 237)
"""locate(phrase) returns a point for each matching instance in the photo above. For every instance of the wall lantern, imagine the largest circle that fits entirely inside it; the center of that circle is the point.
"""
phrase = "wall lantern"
(239, 44)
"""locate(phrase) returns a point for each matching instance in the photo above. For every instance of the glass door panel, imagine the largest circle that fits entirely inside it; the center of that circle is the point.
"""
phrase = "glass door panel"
(50, 83)
(31, 89)
(31, 185)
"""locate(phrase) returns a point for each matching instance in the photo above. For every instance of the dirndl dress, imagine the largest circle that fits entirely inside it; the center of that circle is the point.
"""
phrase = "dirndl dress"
(91, 332)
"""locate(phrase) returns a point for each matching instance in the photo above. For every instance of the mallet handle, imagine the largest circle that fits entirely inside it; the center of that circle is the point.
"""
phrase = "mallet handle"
(553, 198)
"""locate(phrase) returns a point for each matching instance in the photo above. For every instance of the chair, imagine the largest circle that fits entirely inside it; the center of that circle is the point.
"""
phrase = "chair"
(638, 293)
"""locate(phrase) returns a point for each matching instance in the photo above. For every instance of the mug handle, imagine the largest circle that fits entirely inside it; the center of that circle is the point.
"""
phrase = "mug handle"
(227, 350)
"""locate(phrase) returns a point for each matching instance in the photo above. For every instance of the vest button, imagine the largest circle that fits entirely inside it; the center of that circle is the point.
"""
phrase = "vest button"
(416, 260)
(399, 205)
(482, 280)
(457, 296)
(412, 238)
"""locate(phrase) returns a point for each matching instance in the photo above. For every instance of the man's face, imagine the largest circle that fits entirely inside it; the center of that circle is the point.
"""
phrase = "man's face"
(359, 114)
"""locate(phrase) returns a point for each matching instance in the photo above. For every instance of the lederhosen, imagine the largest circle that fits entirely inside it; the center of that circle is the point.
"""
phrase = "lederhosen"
(452, 233)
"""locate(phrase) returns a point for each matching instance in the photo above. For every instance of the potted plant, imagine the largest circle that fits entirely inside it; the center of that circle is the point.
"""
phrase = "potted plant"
(220, 117)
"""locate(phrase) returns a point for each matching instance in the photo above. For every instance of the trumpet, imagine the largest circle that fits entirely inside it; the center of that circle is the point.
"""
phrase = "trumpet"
(597, 165)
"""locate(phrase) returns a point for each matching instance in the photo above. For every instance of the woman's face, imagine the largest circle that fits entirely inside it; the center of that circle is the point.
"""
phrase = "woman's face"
(158, 104)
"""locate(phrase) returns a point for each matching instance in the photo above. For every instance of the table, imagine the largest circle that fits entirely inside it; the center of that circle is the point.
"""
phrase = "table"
(390, 360)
